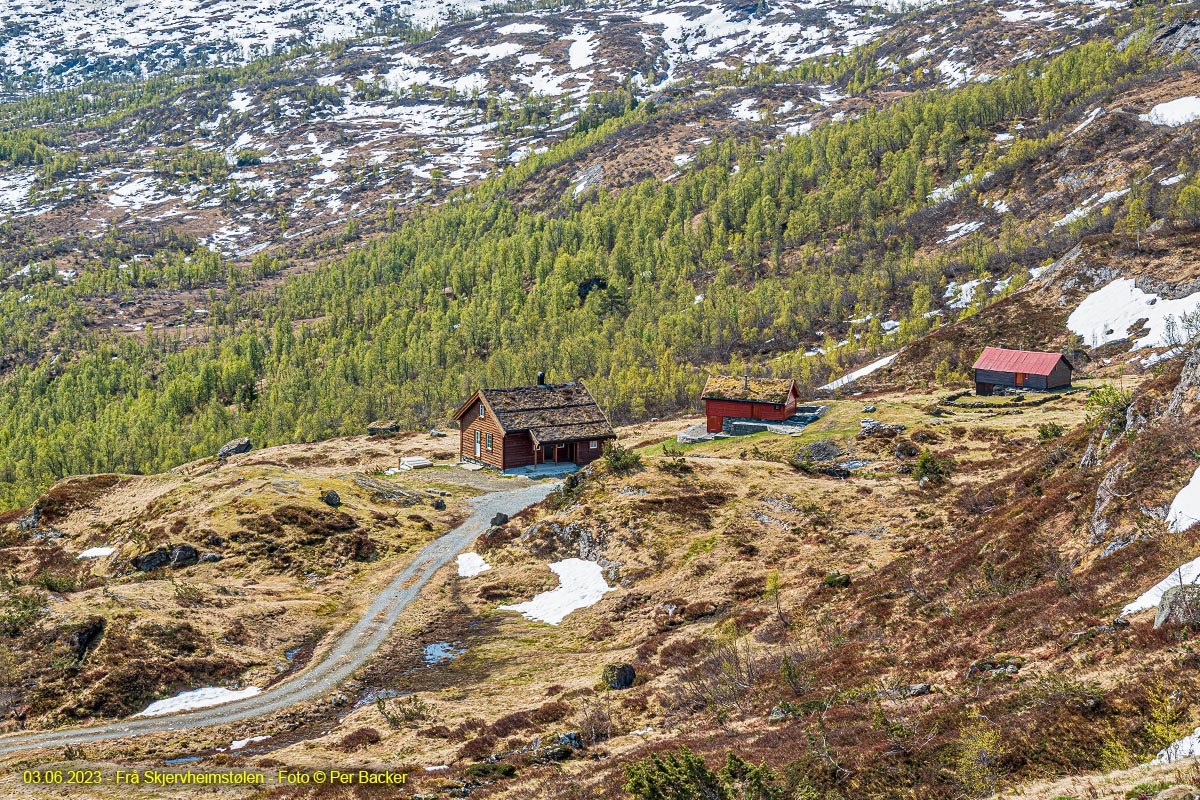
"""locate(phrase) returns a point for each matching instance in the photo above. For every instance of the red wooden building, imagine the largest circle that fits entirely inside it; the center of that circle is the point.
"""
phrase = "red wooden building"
(770, 399)
(528, 425)
(1020, 369)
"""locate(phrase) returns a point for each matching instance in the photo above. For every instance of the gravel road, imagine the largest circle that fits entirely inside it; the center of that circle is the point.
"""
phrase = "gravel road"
(349, 653)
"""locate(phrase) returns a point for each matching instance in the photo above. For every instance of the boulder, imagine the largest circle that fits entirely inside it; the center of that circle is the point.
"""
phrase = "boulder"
(868, 409)
(618, 676)
(915, 690)
(834, 471)
(836, 580)
(236, 447)
(821, 450)
(906, 449)
(152, 560)
(438, 504)
(1181, 792)
(1180, 605)
(331, 498)
(436, 434)
(500, 519)
(184, 555)
(209, 558)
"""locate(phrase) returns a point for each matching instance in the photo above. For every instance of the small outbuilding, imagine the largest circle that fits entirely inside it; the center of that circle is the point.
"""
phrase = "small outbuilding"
(769, 399)
(998, 368)
(525, 426)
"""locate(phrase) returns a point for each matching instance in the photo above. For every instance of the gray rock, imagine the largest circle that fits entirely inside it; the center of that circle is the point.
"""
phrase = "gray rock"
(184, 555)
(780, 714)
(906, 449)
(236, 447)
(30, 520)
(438, 504)
(821, 450)
(331, 498)
(915, 690)
(834, 471)
(152, 560)
(209, 558)
(500, 519)
(1180, 605)
(619, 676)
(868, 409)
(436, 434)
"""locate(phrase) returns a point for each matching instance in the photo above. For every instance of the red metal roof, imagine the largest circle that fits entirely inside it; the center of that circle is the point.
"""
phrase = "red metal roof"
(1030, 362)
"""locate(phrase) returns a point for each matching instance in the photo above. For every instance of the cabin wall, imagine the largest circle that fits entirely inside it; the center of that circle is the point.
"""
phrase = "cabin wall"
(740, 410)
(518, 450)
(471, 422)
(1060, 376)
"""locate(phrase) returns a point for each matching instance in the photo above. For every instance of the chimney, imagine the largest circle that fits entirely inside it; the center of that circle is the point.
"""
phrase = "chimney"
(746, 380)
(541, 379)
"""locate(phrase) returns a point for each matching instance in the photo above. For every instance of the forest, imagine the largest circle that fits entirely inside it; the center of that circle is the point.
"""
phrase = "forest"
(742, 261)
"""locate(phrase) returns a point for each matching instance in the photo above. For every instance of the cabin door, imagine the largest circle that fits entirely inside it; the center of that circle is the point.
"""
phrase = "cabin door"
(1020, 379)
(478, 450)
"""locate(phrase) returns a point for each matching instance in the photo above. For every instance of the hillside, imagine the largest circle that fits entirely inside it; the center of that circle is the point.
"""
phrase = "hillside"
(914, 198)
(867, 636)
(288, 221)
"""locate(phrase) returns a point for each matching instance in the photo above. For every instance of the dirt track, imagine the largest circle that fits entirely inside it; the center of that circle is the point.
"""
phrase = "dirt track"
(347, 654)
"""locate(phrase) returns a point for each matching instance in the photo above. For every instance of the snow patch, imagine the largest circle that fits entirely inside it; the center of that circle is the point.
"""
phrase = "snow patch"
(198, 698)
(861, 372)
(96, 552)
(238, 744)
(1185, 508)
(581, 585)
(471, 564)
(1174, 113)
(1107, 314)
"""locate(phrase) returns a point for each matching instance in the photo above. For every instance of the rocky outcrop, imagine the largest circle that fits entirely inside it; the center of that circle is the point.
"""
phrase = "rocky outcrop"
(821, 450)
(1180, 605)
(1106, 492)
(177, 557)
(500, 519)
(236, 447)
(619, 676)
(184, 555)
(155, 559)
(1186, 390)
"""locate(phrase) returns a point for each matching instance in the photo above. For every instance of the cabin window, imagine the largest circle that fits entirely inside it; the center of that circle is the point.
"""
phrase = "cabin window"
(481, 410)
(489, 440)
(593, 445)
(778, 407)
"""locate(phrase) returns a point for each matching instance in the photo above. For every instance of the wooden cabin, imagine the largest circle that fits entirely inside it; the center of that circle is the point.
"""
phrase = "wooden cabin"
(525, 426)
(770, 399)
(997, 367)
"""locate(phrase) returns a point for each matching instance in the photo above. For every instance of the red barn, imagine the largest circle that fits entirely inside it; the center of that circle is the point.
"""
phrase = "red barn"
(528, 425)
(1020, 369)
(770, 399)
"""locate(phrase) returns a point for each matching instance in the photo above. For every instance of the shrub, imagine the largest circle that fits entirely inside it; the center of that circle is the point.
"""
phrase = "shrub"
(1050, 430)
(685, 775)
(477, 748)
(931, 466)
(490, 772)
(510, 723)
(1107, 407)
(977, 762)
(621, 461)
(358, 739)
(550, 712)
